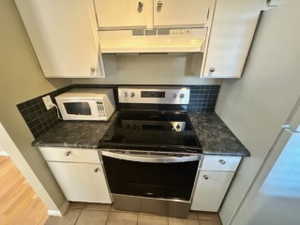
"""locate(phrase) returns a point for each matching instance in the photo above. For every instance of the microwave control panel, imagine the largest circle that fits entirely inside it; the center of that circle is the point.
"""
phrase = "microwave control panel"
(154, 95)
(100, 108)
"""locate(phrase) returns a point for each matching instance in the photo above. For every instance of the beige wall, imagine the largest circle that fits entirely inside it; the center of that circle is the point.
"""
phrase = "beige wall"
(21, 79)
(256, 106)
(148, 69)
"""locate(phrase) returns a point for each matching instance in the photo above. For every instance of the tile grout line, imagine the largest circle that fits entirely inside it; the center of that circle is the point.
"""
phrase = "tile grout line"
(108, 215)
(81, 210)
(137, 219)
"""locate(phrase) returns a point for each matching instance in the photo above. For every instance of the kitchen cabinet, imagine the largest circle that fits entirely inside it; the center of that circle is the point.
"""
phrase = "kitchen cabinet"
(79, 173)
(70, 155)
(210, 190)
(220, 163)
(64, 37)
(81, 182)
(178, 13)
(230, 37)
(215, 176)
(119, 14)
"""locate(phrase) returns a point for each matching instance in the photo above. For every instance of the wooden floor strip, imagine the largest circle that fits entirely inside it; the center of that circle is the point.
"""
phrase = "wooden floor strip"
(18, 202)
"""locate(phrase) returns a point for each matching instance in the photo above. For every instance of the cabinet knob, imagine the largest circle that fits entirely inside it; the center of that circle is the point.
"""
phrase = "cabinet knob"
(140, 6)
(159, 5)
(93, 70)
(96, 170)
(68, 153)
(222, 161)
(205, 177)
(212, 69)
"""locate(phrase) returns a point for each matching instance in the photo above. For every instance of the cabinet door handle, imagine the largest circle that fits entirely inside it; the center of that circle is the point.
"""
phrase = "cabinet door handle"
(93, 70)
(222, 161)
(159, 5)
(96, 170)
(140, 6)
(205, 177)
(212, 69)
(68, 153)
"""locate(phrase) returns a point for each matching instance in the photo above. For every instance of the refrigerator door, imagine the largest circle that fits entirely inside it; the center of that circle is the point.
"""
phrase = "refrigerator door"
(275, 195)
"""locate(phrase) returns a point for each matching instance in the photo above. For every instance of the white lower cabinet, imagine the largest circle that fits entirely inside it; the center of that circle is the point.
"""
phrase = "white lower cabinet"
(81, 182)
(210, 190)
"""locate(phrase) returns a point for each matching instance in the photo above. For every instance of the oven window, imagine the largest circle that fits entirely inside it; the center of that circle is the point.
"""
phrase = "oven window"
(156, 180)
(78, 108)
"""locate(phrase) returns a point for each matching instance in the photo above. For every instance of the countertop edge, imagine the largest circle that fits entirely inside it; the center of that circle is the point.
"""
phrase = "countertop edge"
(96, 148)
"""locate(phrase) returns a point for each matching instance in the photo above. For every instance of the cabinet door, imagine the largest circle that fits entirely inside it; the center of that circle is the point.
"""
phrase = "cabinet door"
(181, 13)
(230, 38)
(117, 14)
(64, 37)
(210, 190)
(81, 182)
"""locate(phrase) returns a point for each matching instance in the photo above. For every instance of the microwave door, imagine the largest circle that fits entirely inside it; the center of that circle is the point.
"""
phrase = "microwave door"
(79, 110)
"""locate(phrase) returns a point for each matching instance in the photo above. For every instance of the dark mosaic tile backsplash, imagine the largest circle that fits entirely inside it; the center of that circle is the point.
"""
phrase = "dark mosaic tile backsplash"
(37, 118)
(203, 99)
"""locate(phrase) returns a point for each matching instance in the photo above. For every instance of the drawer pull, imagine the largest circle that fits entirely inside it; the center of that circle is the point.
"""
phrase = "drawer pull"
(68, 153)
(205, 177)
(222, 161)
(96, 170)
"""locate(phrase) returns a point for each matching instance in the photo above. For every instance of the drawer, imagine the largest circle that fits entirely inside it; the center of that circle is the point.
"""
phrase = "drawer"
(70, 154)
(220, 163)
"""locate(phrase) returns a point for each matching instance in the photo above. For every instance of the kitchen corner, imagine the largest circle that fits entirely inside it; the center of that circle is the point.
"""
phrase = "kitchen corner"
(164, 147)
(149, 112)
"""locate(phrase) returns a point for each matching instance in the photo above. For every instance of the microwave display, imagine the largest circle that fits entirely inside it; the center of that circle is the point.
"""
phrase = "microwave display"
(78, 108)
(152, 94)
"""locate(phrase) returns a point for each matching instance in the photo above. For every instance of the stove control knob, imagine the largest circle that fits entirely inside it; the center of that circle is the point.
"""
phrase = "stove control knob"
(132, 94)
(175, 96)
(181, 95)
(125, 94)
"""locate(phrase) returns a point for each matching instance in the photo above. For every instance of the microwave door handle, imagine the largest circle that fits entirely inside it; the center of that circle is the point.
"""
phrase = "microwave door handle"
(151, 158)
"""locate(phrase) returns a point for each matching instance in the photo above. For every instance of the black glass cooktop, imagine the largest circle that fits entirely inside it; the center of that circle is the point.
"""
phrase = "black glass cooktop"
(153, 131)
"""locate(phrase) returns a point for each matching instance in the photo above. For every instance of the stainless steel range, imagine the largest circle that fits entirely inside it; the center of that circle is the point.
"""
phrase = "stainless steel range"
(152, 153)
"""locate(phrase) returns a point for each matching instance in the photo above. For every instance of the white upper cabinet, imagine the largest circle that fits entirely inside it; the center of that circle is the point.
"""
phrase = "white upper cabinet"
(230, 38)
(63, 35)
(178, 13)
(115, 14)
(120, 14)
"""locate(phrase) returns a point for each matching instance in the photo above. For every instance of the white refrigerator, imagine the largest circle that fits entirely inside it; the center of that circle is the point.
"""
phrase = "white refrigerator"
(274, 198)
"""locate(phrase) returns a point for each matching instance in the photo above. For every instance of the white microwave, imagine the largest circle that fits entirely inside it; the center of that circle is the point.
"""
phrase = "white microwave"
(86, 104)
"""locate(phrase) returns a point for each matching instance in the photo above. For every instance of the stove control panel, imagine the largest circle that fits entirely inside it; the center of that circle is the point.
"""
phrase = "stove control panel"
(150, 95)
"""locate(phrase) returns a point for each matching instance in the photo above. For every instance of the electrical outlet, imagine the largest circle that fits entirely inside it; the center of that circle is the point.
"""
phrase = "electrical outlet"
(48, 102)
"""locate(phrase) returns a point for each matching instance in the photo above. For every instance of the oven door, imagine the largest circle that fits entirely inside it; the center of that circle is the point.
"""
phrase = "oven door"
(154, 176)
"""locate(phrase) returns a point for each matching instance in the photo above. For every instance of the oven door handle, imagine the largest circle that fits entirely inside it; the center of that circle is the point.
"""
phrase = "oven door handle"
(148, 158)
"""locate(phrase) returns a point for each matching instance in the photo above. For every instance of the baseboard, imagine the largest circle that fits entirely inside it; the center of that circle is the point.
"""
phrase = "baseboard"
(3, 153)
(61, 212)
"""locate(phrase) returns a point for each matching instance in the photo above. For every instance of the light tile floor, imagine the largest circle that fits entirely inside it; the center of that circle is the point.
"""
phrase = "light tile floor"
(99, 214)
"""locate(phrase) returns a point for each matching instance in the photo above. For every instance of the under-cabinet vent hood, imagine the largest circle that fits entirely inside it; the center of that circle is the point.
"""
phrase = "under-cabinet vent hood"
(153, 41)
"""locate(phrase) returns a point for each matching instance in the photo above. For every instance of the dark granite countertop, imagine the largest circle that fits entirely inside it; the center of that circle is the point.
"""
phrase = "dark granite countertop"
(214, 135)
(74, 134)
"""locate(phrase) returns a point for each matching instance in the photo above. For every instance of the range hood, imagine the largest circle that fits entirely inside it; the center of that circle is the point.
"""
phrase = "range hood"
(153, 41)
